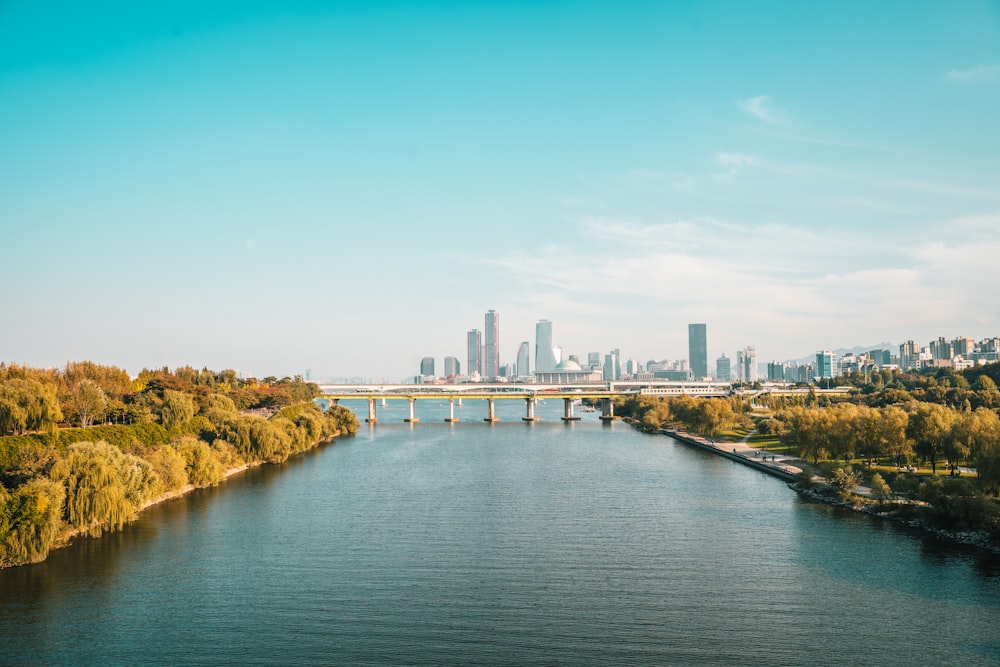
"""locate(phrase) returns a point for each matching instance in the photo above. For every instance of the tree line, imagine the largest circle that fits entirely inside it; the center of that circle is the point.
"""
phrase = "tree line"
(86, 447)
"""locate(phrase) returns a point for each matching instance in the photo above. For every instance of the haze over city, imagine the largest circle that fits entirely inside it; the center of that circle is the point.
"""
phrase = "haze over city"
(276, 187)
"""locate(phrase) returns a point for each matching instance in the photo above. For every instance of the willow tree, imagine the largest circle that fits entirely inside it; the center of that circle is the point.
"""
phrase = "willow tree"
(201, 464)
(178, 408)
(28, 405)
(30, 521)
(104, 487)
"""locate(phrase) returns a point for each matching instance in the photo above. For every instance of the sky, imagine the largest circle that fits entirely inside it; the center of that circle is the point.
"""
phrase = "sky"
(347, 187)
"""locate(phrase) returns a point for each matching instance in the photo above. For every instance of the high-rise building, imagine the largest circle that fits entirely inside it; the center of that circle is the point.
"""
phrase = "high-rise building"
(826, 364)
(909, 355)
(941, 348)
(523, 359)
(632, 367)
(452, 367)
(698, 350)
(723, 369)
(491, 359)
(610, 363)
(746, 364)
(618, 364)
(963, 346)
(594, 359)
(427, 366)
(545, 352)
(775, 370)
(475, 347)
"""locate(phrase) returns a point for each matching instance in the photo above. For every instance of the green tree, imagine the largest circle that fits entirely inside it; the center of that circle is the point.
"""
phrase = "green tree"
(104, 487)
(178, 408)
(892, 430)
(201, 464)
(930, 427)
(30, 521)
(844, 480)
(87, 401)
(880, 489)
(28, 405)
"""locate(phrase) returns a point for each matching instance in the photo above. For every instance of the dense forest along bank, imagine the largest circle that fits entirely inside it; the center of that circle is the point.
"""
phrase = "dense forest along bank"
(85, 449)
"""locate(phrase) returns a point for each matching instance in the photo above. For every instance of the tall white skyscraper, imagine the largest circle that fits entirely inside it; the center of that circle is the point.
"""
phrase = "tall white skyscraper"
(491, 359)
(524, 359)
(545, 352)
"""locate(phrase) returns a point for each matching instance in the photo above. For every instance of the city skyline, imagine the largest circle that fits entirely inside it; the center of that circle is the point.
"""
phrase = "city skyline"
(275, 188)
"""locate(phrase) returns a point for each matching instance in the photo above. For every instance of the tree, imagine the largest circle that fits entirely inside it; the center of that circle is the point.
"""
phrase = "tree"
(178, 408)
(892, 431)
(28, 405)
(880, 489)
(88, 402)
(930, 427)
(104, 487)
(201, 465)
(30, 521)
(844, 480)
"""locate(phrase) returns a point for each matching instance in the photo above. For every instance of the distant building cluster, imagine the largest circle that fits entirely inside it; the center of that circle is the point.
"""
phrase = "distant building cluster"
(959, 353)
(550, 366)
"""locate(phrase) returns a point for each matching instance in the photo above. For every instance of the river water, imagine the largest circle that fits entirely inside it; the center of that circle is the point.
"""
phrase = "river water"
(511, 543)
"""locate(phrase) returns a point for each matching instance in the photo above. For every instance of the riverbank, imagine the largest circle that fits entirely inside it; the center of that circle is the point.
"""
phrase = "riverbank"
(69, 534)
(776, 465)
(903, 513)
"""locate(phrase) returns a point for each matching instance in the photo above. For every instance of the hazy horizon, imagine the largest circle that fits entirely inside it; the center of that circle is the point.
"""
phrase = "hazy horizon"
(347, 188)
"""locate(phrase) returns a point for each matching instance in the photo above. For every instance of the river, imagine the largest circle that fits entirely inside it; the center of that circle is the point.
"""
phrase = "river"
(510, 543)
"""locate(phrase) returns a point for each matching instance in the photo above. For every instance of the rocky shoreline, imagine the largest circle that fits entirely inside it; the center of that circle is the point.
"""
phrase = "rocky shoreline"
(890, 511)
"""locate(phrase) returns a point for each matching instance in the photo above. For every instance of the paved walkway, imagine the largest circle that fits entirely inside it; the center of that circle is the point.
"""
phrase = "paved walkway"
(743, 449)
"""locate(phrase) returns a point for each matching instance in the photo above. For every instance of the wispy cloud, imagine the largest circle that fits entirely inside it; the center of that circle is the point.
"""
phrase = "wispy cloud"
(977, 74)
(760, 107)
(785, 286)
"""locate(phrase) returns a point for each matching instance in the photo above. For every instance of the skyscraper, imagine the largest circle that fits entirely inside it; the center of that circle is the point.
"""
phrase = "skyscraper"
(452, 367)
(826, 364)
(475, 343)
(491, 359)
(524, 359)
(427, 366)
(746, 364)
(698, 350)
(545, 353)
(723, 370)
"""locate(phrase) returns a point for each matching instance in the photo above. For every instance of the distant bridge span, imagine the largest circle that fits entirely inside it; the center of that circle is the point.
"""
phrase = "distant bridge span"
(529, 393)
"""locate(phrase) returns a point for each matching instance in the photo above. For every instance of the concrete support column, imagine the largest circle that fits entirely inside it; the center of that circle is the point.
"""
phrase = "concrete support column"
(607, 410)
(491, 416)
(531, 410)
(371, 411)
(411, 419)
(451, 410)
(568, 415)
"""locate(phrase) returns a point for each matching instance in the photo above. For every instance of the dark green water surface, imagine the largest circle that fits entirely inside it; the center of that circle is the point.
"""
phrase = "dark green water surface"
(510, 543)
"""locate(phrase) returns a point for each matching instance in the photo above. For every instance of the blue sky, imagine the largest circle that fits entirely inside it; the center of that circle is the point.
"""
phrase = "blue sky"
(348, 187)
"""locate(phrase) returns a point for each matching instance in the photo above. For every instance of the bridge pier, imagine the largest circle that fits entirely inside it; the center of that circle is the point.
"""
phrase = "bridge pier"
(451, 410)
(491, 416)
(371, 411)
(608, 410)
(531, 410)
(411, 419)
(568, 415)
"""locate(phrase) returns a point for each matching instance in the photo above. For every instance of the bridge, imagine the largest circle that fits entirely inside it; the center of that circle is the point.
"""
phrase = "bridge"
(529, 393)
